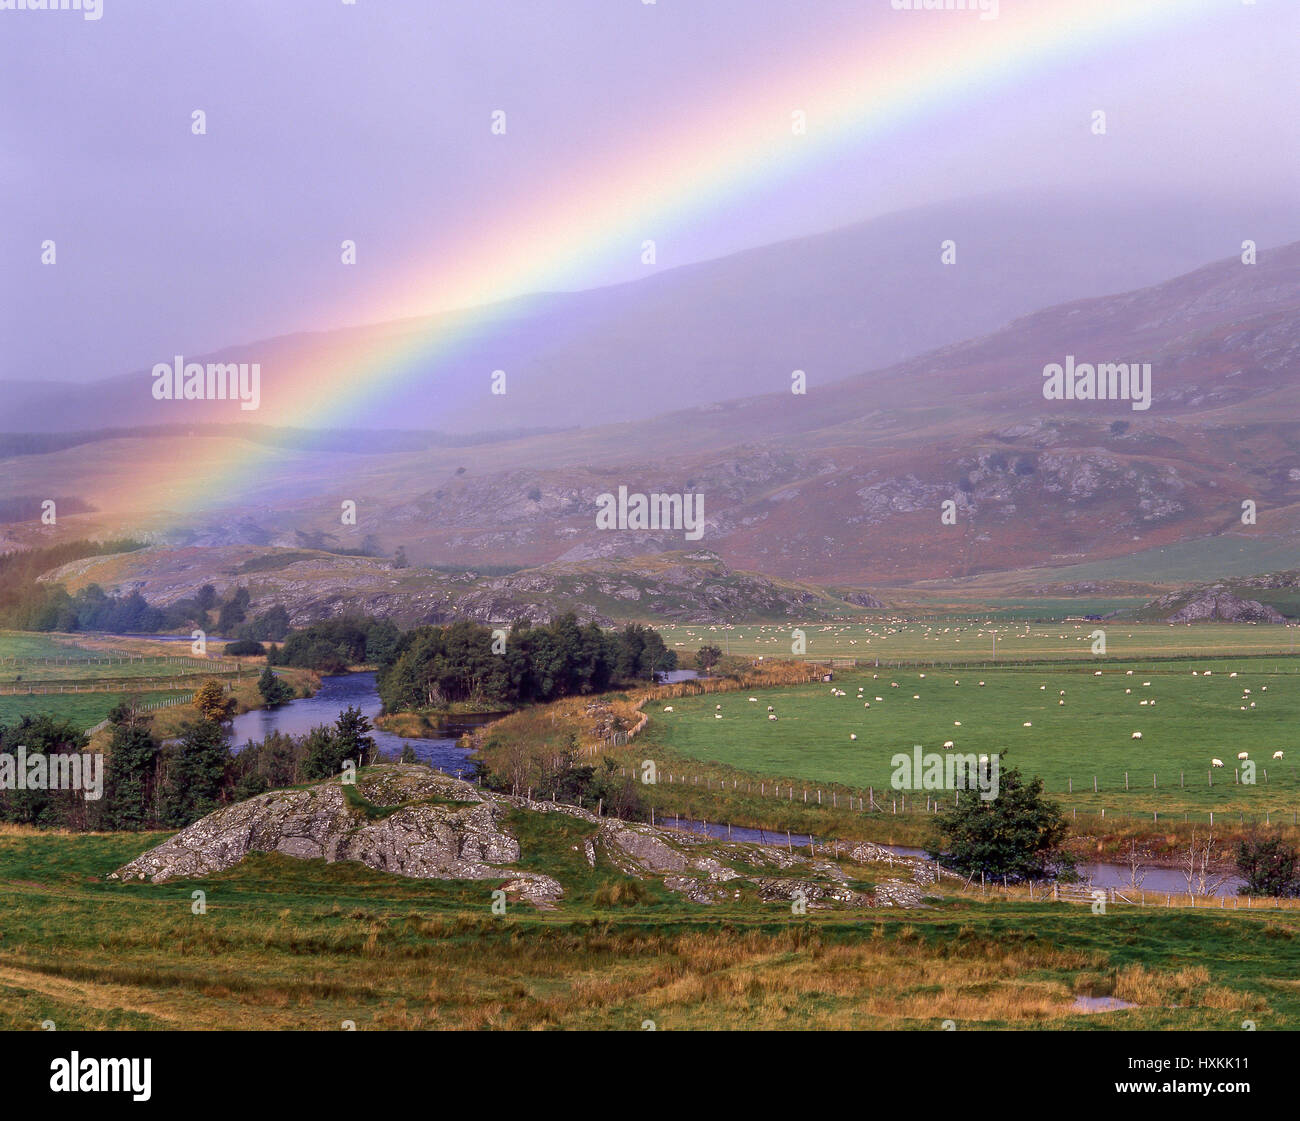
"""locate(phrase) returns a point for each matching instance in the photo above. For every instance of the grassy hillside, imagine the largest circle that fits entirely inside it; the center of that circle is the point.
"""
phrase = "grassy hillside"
(302, 944)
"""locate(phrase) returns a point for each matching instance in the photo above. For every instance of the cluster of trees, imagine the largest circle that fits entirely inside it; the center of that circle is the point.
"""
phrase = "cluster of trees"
(151, 785)
(435, 666)
(335, 644)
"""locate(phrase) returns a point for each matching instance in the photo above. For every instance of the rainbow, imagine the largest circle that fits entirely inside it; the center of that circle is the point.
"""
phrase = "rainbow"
(724, 145)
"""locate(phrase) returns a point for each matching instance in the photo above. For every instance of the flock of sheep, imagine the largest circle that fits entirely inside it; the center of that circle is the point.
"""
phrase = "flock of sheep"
(838, 692)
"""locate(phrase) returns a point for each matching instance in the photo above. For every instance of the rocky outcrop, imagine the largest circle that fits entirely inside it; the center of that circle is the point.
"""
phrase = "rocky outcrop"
(1215, 603)
(409, 821)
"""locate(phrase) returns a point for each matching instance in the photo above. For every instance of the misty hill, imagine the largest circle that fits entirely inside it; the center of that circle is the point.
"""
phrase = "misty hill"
(834, 305)
(841, 486)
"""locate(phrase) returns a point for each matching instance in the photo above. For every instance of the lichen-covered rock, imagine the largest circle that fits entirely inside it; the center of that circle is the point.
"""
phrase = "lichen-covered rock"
(411, 821)
(442, 830)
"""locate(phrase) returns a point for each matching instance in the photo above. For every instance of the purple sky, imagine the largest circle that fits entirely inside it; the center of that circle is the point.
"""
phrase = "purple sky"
(369, 121)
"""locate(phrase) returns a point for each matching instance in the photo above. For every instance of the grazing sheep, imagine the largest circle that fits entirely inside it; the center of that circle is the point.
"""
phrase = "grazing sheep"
(853, 735)
(717, 716)
(1277, 755)
(770, 708)
(1216, 762)
(1243, 755)
(753, 700)
(1028, 724)
(668, 709)
(956, 723)
(1137, 735)
(981, 685)
(948, 743)
(771, 715)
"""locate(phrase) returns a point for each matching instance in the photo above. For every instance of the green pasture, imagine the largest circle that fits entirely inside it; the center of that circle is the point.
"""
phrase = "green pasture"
(1189, 719)
(974, 641)
(83, 709)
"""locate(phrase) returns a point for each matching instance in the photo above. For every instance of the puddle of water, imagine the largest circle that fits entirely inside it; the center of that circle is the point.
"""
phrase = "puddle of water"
(1100, 1004)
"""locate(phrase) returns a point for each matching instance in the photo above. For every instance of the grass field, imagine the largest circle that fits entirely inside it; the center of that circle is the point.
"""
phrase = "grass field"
(975, 641)
(1187, 721)
(83, 709)
(31, 644)
(302, 944)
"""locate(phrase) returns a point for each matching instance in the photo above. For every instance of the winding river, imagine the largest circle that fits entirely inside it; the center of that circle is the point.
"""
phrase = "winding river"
(336, 693)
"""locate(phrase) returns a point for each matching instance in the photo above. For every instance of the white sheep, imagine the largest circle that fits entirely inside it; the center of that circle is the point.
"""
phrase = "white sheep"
(669, 708)
(1216, 762)
(853, 735)
(771, 715)
(717, 716)
(753, 700)
(1243, 755)
(1137, 735)
(948, 743)
(770, 708)
(1277, 755)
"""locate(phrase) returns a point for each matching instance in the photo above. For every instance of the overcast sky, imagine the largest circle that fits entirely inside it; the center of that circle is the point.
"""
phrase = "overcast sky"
(371, 121)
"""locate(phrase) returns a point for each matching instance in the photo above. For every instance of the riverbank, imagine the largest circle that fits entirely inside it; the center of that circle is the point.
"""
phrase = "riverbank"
(432, 723)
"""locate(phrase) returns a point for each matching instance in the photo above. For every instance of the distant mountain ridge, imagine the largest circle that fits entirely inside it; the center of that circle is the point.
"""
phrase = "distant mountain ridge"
(833, 304)
(842, 486)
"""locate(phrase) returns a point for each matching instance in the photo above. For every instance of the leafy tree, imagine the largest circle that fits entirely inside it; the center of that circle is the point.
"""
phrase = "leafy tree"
(352, 733)
(706, 657)
(213, 704)
(196, 772)
(323, 757)
(1018, 834)
(132, 778)
(1270, 866)
(273, 690)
